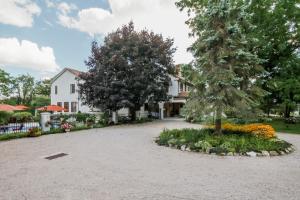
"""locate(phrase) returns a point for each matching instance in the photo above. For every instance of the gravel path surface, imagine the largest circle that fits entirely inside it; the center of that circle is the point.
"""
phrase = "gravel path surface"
(124, 163)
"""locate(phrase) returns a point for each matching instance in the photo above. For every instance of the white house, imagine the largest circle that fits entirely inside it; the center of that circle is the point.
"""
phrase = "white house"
(64, 92)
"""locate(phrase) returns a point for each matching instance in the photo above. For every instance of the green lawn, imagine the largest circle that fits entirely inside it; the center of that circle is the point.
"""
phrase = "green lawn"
(280, 126)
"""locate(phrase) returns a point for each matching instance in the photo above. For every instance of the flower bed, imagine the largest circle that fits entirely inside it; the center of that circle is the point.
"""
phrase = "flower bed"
(262, 130)
(232, 143)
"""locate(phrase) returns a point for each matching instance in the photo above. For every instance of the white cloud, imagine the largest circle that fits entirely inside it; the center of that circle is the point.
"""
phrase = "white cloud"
(161, 16)
(18, 12)
(65, 8)
(27, 54)
(50, 4)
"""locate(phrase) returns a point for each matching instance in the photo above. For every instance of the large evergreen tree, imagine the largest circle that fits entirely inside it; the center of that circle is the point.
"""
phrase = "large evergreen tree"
(228, 70)
(129, 69)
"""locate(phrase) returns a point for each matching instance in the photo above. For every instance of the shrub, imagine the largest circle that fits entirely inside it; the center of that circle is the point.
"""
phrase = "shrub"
(21, 117)
(237, 121)
(54, 131)
(172, 142)
(91, 120)
(4, 117)
(291, 120)
(81, 117)
(203, 145)
(12, 136)
(143, 120)
(104, 119)
(205, 140)
(34, 132)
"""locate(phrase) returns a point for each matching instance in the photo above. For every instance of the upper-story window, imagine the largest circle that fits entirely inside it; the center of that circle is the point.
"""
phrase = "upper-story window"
(56, 89)
(72, 88)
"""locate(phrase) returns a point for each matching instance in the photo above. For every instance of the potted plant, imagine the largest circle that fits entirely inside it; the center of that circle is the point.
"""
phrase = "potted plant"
(67, 127)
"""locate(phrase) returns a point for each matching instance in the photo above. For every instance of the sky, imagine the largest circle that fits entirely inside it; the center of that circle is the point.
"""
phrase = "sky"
(42, 37)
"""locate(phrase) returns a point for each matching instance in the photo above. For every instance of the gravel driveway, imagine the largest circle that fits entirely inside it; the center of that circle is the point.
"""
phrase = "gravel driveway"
(123, 162)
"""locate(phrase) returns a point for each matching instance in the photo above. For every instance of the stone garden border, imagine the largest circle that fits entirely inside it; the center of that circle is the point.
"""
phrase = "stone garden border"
(287, 151)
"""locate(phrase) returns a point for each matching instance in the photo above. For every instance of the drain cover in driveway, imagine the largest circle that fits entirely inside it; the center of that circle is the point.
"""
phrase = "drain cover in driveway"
(56, 156)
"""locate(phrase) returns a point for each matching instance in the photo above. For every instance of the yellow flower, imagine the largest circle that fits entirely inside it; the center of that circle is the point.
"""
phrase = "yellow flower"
(261, 130)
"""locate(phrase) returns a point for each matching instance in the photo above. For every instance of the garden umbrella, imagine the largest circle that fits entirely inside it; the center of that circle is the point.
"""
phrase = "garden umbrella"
(6, 107)
(52, 108)
(21, 107)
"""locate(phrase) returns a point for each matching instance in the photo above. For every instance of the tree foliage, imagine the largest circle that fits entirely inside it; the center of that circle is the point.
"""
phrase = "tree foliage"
(5, 83)
(129, 69)
(228, 70)
(24, 87)
(43, 87)
(277, 29)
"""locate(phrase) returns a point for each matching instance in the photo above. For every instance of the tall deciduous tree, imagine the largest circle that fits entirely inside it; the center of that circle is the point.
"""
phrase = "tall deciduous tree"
(277, 29)
(222, 51)
(5, 83)
(24, 87)
(43, 87)
(129, 69)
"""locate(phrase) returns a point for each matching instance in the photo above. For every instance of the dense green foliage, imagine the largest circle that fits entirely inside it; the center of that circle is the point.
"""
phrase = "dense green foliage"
(129, 69)
(24, 90)
(34, 132)
(271, 30)
(205, 140)
(43, 88)
(278, 42)
(4, 83)
(20, 117)
(11, 136)
(4, 117)
(227, 69)
(23, 86)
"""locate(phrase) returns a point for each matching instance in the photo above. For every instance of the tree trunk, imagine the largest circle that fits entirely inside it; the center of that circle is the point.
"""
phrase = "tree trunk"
(268, 107)
(218, 122)
(287, 111)
(133, 114)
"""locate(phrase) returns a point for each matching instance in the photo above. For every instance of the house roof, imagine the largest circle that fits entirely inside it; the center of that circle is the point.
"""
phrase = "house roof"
(6, 107)
(73, 71)
(77, 73)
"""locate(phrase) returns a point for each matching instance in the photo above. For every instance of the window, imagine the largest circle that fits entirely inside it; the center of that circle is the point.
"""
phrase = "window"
(72, 88)
(73, 106)
(56, 89)
(66, 106)
(59, 104)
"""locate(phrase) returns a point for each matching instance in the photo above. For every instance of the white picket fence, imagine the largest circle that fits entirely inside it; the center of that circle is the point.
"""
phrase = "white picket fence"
(18, 127)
